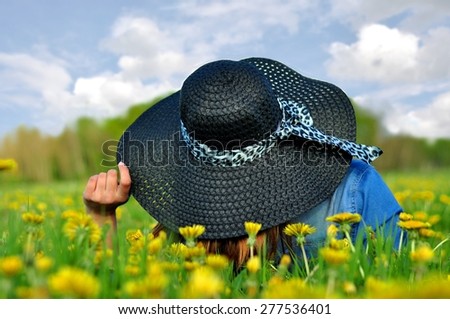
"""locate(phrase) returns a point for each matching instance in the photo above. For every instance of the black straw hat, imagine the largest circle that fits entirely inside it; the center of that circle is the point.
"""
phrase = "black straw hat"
(249, 140)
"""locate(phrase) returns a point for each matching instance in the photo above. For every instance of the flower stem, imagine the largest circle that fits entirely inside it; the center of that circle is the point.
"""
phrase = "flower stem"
(305, 259)
(331, 282)
(361, 270)
(400, 242)
(441, 243)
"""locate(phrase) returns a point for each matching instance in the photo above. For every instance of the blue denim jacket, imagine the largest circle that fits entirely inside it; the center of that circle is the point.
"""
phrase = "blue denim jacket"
(361, 191)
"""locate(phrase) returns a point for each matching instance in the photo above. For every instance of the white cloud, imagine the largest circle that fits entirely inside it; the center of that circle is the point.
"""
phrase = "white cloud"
(412, 15)
(111, 94)
(38, 75)
(403, 65)
(389, 55)
(250, 18)
(147, 51)
(162, 49)
(431, 121)
(45, 89)
(381, 54)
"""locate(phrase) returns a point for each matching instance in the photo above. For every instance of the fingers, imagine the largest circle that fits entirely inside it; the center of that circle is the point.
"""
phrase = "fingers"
(101, 182)
(111, 181)
(125, 182)
(90, 187)
(104, 189)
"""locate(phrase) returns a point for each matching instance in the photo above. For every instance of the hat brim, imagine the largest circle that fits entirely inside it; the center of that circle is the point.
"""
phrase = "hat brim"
(290, 179)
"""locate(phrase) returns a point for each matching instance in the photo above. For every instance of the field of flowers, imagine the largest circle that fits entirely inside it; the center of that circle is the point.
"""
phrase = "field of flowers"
(50, 249)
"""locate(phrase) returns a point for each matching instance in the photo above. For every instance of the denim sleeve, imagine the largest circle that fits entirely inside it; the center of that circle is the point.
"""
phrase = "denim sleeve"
(375, 202)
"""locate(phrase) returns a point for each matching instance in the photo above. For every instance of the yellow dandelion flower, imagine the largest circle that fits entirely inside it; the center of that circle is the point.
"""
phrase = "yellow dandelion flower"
(151, 286)
(32, 293)
(427, 233)
(444, 199)
(170, 266)
(299, 229)
(413, 224)
(101, 255)
(42, 206)
(156, 269)
(43, 263)
(32, 218)
(68, 201)
(163, 235)
(178, 249)
(422, 254)
(82, 225)
(423, 195)
(376, 288)
(72, 282)
(136, 247)
(136, 240)
(14, 205)
(7, 164)
(203, 283)
(253, 264)
(294, 288)
(191, 233)
(339, 244)
(194, 252)
(333, 256)
(420, 215)
(155, 245)
(349, 288)
(402, 196)
(134, 259)
(70, 213)
(132, 270)
(11, 265)
(252, 228)
(345, 218)
(191, 265)
(332, 231)
(134, 235)
(434, 287)
(434, 219)
(136, 289)
(285, 260)
(217, 261)
(405, 216)
(283, 265)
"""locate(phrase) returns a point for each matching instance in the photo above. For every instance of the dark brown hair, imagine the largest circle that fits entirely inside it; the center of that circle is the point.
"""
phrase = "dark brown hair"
(237, 250)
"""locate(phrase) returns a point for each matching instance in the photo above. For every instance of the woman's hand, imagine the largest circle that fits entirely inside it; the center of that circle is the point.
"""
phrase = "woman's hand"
(104, 192)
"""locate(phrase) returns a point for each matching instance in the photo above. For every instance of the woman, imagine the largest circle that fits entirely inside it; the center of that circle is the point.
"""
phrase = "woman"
(249, 140)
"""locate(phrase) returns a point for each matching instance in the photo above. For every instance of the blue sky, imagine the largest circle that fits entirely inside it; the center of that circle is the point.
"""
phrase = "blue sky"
(63, 59)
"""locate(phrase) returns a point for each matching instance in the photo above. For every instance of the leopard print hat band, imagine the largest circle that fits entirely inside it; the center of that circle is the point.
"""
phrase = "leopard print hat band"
(296, 121)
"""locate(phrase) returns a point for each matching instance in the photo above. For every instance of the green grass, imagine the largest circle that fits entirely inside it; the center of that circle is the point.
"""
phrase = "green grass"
(48, 247)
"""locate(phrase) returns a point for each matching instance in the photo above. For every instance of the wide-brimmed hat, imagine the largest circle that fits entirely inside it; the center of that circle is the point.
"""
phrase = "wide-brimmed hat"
(249, 140)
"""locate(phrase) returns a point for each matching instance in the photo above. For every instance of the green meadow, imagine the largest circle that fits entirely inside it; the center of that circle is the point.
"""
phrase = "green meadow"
(49, 248)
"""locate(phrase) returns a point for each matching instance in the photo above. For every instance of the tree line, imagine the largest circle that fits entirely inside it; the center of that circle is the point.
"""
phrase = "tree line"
(77, 152)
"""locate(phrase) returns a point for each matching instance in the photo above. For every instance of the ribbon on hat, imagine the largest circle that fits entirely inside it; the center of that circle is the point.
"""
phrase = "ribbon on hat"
(296, 121)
